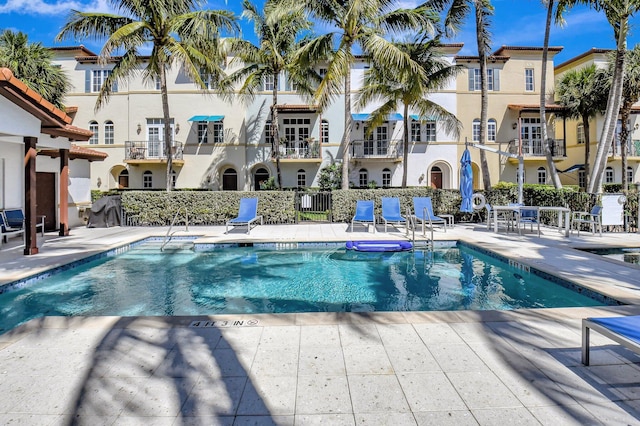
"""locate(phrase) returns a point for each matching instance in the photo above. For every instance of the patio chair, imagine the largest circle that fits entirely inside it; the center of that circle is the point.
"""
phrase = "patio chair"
(247, 214)
(8, 231)
(391, 212)
(623, 330)
(364, 214)
(528, 215)
(15, 219)
(423, 213)
(592, 218)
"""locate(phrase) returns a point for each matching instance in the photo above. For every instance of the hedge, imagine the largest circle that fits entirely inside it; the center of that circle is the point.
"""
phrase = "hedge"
(217, 207)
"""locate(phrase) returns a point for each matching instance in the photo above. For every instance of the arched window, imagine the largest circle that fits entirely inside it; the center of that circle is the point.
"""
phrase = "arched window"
(302, 178)
(580, 133)
(147, 179)
(108, 132)
(363, 178)
(475, 130)
(93, 126)
(123, 179)
(608, 175)
(386, 178)
(261, 176)
(491, 130)
(542, 175)
(324, 131)
(229, 180)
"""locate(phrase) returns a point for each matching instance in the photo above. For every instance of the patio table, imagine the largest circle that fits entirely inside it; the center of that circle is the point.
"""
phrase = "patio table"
(564, 221)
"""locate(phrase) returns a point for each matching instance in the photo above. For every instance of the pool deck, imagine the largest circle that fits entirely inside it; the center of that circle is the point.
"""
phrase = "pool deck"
(411, 368)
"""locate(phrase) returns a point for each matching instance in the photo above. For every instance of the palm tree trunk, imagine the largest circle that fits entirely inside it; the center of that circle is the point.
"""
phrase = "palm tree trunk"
(275, 130)
(484, 105)
(405, 146)
(613, 107)
(345, 143)
(624, 135)
(555, 179)
(587, 146)
(168, 142)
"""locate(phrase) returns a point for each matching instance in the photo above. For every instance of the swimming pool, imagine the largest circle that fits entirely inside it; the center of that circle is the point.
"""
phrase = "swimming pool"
(265, 278)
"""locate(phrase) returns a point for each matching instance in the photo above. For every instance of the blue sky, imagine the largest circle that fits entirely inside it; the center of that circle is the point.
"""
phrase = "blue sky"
(516, 23)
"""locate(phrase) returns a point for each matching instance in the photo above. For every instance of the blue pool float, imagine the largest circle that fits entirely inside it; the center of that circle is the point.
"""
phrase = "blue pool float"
(379, 245)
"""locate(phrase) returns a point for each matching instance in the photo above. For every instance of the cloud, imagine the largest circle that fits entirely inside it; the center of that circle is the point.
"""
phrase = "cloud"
(61, 7)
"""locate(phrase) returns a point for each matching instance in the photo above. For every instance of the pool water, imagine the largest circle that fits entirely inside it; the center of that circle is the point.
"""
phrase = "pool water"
(145, 281)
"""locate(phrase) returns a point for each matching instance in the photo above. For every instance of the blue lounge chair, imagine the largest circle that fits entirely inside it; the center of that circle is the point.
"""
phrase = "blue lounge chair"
(391, 212)
(14, 218)
(8, 231)
(364, 214)
(623, 330)
(423, 213)
(247, 214)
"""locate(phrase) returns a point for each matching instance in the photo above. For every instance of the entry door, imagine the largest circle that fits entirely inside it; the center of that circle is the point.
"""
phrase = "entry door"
(155, 138)
(46, 202)
(436, 179)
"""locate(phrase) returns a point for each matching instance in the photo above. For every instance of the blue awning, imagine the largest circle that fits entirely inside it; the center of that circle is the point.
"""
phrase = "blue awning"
(364, 117)
(207, 118)
(572, 168)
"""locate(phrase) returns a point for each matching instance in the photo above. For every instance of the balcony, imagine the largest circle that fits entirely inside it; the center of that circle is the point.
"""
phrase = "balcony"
(302, 151)
(533, 149)
(150, 152)
(377, 150)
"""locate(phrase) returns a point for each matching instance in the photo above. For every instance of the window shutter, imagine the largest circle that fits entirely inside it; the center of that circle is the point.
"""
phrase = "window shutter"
(87, 81)
(496, 80)
(471, 80)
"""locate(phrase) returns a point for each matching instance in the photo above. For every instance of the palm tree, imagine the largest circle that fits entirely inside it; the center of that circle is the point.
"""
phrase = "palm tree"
(32, 64)
(457, 11)
(278, 30)
(363, 24)
(618, 13)
(410, 91)
(581, 92)
(176, 33)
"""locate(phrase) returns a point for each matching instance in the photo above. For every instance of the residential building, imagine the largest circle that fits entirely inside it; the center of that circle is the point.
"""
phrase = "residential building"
(224, 145)
(513, 125)
(573, 129)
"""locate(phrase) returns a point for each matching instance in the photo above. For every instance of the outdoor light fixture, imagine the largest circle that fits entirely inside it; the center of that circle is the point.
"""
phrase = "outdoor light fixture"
(177, 127)
(514, 126)
(139, 128)
(357, 125)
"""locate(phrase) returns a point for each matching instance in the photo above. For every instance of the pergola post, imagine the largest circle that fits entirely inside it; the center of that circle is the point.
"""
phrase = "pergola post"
(30, 234)
(64, 193)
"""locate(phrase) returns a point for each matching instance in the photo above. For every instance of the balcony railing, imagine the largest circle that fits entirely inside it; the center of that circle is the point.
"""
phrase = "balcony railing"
(535, 148)
(150, 150)
(299, 150)
(384, 149)
(632, 147)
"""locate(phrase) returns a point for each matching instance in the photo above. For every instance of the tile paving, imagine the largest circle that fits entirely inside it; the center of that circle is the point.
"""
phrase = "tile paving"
(414, 368)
